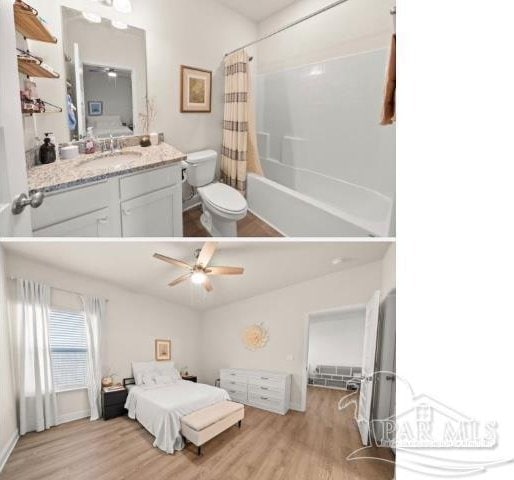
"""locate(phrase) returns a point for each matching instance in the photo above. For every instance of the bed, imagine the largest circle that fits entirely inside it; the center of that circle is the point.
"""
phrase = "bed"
(160, 398)
(106, 125)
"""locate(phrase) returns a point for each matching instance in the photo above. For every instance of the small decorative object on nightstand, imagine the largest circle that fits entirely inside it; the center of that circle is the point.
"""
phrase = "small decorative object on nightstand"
(190, 378)
(113, 402)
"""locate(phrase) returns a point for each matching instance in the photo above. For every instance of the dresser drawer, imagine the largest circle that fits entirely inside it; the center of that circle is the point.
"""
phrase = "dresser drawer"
(266, 401)
(263, 390)
(115, 398)
(237, 396)
(233, 375)
(71, 203)
(233, 385)
(267, 380)
(138, 184)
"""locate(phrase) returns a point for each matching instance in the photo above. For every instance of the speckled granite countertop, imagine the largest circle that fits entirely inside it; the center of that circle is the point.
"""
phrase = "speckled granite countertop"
(70, 173)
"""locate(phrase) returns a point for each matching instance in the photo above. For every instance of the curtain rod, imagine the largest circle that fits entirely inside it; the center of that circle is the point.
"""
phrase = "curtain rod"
(287, 27)
(14, 279)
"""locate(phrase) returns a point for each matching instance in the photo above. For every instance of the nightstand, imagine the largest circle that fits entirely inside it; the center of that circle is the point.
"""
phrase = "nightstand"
(113, 403)
(190, 378)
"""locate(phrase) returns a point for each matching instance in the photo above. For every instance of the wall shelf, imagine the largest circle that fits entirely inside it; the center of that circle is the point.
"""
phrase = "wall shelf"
(30, 26)
(34, 68)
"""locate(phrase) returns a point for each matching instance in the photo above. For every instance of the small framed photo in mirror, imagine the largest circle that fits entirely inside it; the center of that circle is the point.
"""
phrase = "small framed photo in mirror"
(162, 350)
(95, 108)
(196, 86)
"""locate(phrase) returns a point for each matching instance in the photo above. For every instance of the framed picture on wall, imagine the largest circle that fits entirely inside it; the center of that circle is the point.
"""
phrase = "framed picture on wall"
(195, 90)
(95, 108)
(162, 350)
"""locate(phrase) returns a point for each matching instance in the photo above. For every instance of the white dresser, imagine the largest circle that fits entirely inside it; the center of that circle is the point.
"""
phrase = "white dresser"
(258, 388)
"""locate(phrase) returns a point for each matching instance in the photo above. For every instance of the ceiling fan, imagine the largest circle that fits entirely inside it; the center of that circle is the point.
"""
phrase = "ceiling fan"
(200, 272)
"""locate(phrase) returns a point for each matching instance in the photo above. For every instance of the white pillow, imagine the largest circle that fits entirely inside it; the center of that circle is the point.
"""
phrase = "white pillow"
(153, 368)
(148, 379)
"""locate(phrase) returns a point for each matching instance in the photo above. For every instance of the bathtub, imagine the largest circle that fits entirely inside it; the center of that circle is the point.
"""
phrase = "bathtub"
(303, 203)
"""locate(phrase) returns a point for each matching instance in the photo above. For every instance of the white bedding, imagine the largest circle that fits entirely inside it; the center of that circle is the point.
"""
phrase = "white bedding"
(160, 408)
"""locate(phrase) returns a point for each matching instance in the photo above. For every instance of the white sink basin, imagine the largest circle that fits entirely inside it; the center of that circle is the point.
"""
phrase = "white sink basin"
(115, 161)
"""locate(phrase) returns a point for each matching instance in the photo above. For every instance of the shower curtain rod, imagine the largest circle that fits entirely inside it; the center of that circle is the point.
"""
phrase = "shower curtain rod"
(14, 279)
(287, 27)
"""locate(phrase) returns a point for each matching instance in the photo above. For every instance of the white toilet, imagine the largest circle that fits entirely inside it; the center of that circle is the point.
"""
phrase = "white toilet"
(223, 206)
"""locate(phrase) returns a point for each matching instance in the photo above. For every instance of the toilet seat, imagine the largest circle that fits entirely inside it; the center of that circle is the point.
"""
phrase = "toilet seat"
(225, 199)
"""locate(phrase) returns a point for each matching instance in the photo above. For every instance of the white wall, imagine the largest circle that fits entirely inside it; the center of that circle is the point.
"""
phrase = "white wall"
(193, 32)
(353, 27)
(285, 313)
(133, 322)
(336, 339)
(8, 422)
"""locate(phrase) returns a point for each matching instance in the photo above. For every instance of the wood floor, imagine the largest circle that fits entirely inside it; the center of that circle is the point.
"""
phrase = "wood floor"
(297, 446)
(250, 226)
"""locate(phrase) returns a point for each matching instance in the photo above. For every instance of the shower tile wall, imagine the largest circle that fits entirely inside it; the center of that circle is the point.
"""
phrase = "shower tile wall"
(325, 117)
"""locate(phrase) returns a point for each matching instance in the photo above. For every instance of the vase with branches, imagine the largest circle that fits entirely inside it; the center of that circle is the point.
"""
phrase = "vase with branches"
(147, 119)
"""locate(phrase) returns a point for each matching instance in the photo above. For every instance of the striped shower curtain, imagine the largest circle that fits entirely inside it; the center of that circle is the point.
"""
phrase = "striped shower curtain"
(239, 152)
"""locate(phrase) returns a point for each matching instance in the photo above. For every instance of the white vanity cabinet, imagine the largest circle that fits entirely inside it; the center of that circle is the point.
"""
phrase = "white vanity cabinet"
(146, 204)
(258, 388)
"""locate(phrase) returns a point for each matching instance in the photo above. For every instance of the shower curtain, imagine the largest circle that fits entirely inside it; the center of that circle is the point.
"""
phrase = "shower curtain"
(239, 152)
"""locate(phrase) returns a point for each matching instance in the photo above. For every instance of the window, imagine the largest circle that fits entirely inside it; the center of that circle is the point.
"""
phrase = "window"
(68, 349)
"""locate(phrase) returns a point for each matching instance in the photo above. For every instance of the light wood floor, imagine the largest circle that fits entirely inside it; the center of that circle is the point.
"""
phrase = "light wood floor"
(250, 226)
(298, 446)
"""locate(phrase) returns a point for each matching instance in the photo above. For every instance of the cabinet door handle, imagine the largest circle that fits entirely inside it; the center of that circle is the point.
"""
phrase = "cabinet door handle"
(127, 212)
(103, 221)
(264, 388)
(264, 398)
(264, 378)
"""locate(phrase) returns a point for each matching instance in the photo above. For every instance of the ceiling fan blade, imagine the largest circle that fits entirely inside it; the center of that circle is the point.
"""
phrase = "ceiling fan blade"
(178, 280)
(208, 285)
(224, 271)
(206, 254)
(173, 261)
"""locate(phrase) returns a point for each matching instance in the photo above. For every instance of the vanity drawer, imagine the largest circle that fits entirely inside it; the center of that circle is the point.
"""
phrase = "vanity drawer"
(71, 203)
(138, 184)
(233, 385)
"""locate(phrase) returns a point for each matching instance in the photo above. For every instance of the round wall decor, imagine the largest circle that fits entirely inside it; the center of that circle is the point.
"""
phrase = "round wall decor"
(255, 336)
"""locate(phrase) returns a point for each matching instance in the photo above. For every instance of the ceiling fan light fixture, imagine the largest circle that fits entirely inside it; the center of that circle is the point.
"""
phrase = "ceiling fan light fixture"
(198, 277)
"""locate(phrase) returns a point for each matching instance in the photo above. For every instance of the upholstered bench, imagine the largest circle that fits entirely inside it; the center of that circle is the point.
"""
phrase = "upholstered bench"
(201, 426)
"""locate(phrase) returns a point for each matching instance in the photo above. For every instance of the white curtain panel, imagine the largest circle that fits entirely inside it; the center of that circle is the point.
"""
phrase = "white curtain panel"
(94, 309)
(37, 403)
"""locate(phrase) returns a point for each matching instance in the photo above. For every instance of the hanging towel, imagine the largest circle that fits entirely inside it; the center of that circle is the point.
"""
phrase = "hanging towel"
(389, 109)
(72, 119)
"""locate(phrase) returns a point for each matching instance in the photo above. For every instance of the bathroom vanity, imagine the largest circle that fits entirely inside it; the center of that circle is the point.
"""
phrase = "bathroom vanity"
(133, 193)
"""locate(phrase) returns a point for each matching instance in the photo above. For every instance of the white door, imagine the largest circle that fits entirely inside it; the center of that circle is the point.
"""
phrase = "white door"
(79, 89)
(13, 173)
(150, 215)
(368, 366)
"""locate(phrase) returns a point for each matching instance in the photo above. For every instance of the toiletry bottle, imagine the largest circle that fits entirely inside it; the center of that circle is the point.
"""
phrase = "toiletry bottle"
(90, 141)
(47, 151)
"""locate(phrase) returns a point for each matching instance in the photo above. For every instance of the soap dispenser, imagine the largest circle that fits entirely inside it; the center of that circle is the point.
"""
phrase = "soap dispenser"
(47, 152)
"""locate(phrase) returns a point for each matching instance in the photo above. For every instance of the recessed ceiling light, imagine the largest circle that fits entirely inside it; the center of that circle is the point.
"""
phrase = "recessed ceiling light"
(92, 17)
(119, 25)
(112, 74)
(198, 278)
(122, 6)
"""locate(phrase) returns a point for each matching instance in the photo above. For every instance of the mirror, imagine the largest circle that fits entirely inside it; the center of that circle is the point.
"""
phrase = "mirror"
(105, 75)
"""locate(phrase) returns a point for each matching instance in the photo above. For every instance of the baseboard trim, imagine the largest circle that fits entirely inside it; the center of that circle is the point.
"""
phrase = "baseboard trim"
(296, 407)
(71, 417)
(5, 453)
